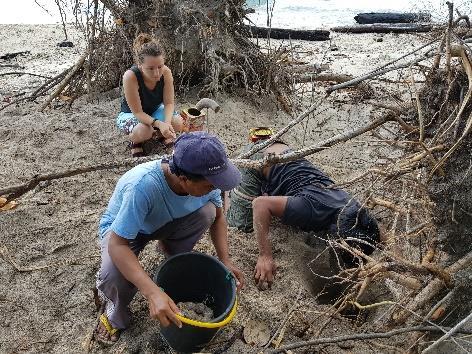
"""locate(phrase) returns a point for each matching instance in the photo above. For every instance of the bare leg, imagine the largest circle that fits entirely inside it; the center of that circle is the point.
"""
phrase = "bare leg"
(139, 134)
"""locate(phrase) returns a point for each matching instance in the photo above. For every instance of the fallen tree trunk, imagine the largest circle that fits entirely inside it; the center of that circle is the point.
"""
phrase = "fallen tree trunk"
(384, 28)
(392, 17)
(282, 33)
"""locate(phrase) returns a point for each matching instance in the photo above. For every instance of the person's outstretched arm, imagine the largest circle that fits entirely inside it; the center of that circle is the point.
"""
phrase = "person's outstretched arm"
(168, 96)
(219, 237)
(263, 209)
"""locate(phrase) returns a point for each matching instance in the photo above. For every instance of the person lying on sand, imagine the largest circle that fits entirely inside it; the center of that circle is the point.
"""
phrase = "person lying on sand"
(174, 201)
(299, 194)
(147, 107)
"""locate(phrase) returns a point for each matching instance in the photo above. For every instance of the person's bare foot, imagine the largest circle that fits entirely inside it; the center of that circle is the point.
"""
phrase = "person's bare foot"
(103, 334)
(137, 149)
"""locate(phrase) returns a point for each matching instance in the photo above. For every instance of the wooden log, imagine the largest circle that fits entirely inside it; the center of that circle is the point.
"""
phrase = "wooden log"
(392, 17)
(282, 33)
(9, 56)
(384, 28)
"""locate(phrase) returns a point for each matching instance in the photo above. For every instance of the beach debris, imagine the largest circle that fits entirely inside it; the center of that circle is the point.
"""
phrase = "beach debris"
(384, 28)
(392, 17)
(7, 205)
(283, 33)
(65, 44)
(9, 56)
(256, 333)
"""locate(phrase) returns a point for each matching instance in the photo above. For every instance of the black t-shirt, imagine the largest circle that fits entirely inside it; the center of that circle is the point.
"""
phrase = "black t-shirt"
(302, 178)
(150, 99)
(313, 206)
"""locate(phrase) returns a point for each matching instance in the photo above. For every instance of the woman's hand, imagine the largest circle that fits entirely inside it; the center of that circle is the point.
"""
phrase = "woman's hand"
(166, 130)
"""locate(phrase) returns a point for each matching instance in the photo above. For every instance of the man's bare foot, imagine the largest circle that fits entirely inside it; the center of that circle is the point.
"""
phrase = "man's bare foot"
(104, 334)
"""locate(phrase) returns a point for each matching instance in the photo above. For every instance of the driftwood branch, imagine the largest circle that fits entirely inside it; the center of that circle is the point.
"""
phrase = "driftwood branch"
(384, 28)
(392, 17)
(380, 71)
(9, 56)
(23, 73)
(295, 155)
(358, 336)
(452, 331)
(65, 81)
(282, 33)
(304, 78)
(19, 190)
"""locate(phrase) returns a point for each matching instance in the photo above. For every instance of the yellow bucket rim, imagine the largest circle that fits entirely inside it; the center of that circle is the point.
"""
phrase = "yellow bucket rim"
(211, 324)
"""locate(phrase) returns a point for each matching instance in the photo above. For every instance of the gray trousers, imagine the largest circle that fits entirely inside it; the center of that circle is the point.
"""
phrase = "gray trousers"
(177, 236)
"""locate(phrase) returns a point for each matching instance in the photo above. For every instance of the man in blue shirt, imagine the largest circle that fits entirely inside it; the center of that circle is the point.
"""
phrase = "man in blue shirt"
(174, 201)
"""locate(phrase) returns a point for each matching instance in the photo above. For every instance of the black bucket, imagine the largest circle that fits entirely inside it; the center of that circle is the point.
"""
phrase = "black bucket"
(199, 278)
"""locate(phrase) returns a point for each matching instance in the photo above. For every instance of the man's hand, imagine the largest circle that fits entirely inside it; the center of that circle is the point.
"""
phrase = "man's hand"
(264, 272)
(219, 237)
(162, 308)
(237, 274)
(166, 130)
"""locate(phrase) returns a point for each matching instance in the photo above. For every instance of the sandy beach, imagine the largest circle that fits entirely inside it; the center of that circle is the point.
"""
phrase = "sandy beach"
(55, 225)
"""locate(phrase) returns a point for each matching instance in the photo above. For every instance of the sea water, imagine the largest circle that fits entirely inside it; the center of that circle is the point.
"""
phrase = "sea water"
(323, 14)
(296, 14)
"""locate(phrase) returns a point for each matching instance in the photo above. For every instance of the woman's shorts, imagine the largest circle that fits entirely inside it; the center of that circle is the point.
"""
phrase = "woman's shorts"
(127, 121)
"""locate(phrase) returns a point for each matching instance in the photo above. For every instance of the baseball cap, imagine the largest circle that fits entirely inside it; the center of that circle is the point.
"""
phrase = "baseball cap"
(201, 153)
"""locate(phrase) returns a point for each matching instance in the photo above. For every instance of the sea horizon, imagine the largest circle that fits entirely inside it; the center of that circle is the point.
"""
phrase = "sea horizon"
(303, 14)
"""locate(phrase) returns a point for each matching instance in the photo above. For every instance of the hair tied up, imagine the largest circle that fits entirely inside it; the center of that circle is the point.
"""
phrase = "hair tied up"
(145, 45)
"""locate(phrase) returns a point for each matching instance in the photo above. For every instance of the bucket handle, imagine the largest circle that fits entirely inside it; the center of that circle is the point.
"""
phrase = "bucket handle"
(211, 324)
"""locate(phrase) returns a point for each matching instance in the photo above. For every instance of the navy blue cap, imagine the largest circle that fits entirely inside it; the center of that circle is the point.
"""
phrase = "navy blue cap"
(201, 153)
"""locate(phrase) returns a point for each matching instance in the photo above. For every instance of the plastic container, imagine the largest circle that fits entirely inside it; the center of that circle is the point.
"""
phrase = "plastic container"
(199, 278)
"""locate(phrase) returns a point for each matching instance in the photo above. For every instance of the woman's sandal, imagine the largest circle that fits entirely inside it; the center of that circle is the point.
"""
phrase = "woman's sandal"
(103, 320)
(137, 146)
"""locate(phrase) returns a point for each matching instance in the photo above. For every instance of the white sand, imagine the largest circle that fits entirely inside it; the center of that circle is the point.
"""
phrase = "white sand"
(52, 310)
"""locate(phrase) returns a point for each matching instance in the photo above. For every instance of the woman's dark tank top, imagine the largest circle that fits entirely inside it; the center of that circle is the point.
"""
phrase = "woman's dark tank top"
(150, 99)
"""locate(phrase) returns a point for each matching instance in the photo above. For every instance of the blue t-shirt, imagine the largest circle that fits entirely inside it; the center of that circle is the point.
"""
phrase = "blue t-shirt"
(143, 202)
